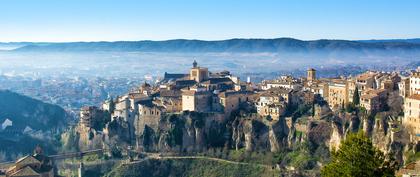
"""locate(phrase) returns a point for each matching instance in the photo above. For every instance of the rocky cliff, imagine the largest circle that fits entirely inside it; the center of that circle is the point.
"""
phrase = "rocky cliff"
(316, 128)
(192, 131)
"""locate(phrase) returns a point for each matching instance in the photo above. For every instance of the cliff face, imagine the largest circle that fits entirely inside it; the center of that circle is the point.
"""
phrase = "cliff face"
(384, 130)
(116, 133)
(198, 131)
(256, 134)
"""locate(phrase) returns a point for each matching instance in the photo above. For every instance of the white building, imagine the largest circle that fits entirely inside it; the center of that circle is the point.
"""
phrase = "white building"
(415, 83)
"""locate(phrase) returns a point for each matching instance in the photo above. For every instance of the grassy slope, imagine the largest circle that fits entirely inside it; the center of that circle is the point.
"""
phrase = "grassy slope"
(190, 167)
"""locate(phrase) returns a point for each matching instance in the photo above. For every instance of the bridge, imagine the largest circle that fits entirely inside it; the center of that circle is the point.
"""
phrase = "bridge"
(75, 154)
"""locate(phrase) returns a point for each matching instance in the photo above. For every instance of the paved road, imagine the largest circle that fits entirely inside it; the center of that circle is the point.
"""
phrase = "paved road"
(158, 156)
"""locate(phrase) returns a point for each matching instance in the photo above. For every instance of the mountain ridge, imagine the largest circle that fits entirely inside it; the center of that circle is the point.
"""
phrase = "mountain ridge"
(230, 45)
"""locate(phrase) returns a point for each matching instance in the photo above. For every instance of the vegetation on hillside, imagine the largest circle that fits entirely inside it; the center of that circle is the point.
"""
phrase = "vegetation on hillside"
(25, 111)
(358, 157)
(190, 167)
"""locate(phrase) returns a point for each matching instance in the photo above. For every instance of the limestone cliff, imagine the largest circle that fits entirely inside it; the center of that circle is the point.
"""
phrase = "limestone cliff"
(194, 132)
(384, 130)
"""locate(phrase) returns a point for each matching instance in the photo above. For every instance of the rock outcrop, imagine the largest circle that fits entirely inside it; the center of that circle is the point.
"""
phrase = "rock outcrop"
(192, 132)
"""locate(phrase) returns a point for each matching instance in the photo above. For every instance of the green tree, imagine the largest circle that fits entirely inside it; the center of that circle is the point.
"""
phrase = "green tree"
(356, 97)
(358, 157)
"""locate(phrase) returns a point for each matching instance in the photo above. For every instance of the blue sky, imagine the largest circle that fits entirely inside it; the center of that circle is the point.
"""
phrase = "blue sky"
(112, 20)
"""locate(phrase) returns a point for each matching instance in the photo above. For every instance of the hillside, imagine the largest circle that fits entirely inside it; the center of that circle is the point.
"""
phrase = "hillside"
(190, 167)
(25, 111)
(231, 45)
(46, 121)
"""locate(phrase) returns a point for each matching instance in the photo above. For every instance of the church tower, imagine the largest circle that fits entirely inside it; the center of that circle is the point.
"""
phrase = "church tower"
(311, 74)
(195, 64)
(198, 73)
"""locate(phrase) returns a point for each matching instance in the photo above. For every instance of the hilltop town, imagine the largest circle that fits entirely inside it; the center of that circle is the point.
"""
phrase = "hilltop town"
(218, 115)
(201, 110)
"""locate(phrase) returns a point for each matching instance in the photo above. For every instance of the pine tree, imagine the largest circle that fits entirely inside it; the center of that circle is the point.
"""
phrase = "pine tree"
(358, 157)
(111, 105)
(356, 97)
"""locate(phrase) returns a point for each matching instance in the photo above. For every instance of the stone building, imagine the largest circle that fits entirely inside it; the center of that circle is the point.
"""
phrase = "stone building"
(287, 82)
(197, 99)
(122, 108)
(36, 165)
(373, 100)
(311, 74)
(198, 73)
(415, 83)
(150, 114)
(318, 87)
(231, 100)
(404, 87)
(90, 116)
(171, 100)
(273, 102)
(337, 94)
(351, 83)
(412, 116)
(222, 83)
(366, 81)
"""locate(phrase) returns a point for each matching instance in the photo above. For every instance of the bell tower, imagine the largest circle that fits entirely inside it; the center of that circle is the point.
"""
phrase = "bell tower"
(195, 64)
(198, 73)
(311, 74)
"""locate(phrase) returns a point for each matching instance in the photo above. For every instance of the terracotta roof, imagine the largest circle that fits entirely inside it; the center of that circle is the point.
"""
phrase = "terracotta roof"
(369, 96)
(374, 91)
(282, 82)
(185, 82)
(276, 92)
(217, 80)
(229, 93)
(415, 97)
(28, 159)
(170, 93)
(415, 74)
(365, 76)
(168, 76)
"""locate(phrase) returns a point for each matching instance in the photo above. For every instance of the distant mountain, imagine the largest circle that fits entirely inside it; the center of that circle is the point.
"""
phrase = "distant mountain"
(24, 112)
(414, 41)
(231, 45)
(15, 45)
